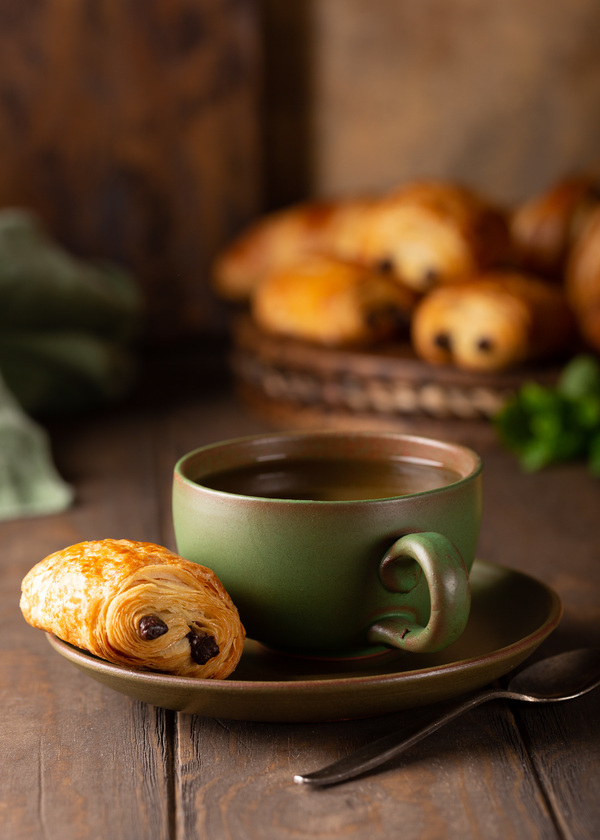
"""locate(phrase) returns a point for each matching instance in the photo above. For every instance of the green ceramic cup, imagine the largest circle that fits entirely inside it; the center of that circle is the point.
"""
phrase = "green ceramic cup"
(336, 578)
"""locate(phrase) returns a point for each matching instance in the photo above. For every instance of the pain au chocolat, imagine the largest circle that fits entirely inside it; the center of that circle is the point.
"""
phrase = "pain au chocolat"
(332, 302)
(422, 234)
(496, 321)
(136, 604)
(546, 228)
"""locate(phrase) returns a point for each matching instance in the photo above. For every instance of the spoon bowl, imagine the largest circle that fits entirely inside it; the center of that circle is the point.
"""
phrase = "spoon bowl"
(551, 680)
(561, 677)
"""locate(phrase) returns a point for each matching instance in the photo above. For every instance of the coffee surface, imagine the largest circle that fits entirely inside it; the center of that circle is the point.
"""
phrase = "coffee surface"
(331, 479)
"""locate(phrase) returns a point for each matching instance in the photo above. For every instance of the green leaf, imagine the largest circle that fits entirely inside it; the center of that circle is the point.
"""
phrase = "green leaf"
(512, 425)
(586, 412)
(580, 378)
(542, 425)
(594, 455)
(536, 454)
(537, 398)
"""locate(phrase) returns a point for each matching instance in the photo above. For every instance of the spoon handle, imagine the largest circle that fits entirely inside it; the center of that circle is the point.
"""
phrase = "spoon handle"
(378, 752)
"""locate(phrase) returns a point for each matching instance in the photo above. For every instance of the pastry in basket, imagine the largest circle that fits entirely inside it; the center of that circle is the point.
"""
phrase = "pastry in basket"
(136, 604)
(422, 234)
(332, 302)
(275, 241)
(582, 281)
(429, 233)
(545, 228)
(493, 322)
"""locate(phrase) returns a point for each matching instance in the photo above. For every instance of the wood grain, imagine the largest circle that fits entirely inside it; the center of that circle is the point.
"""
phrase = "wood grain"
(132, 130)
(501, 95)
(565, 747)
(432, 792)
(82, 761)
(545, 524)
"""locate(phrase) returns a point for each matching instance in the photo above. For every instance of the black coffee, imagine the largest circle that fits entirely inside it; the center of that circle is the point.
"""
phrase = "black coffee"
(331, 479)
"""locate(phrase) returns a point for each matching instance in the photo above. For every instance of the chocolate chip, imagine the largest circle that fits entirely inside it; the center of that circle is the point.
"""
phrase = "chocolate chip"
(385, 265)
(485, 345)
(430, 278)
(151, 627)
(442, 340)
(202, 647)
(387, 317)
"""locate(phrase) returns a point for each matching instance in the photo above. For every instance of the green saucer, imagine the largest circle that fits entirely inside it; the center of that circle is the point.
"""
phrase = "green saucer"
(511, 614)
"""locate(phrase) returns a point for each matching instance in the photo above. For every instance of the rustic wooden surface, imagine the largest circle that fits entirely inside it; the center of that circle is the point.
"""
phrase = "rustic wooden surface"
(133, 131)
(80, 761)
(502, 95)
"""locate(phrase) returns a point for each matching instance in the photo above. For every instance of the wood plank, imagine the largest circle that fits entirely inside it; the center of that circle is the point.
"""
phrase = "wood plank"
(441, 88)
(474, 781)
(85, 760)
(82, 759)
(544, 525)
(135, 136)
(564, 744)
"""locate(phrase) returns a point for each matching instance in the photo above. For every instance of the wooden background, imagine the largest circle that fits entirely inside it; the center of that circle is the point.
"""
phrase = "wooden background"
(131, 128)
(151, 132)
(503, 95)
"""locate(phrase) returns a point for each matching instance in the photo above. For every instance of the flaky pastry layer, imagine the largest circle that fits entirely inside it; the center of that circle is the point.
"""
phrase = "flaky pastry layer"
(137, 604)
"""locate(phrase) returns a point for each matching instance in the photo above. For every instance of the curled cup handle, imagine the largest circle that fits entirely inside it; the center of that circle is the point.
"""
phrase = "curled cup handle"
(450, 594)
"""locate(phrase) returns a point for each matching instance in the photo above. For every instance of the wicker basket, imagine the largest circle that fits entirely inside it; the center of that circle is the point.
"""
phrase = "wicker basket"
(294, 384)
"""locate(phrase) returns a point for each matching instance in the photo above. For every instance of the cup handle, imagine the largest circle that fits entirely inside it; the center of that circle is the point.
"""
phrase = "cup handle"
(449, 589)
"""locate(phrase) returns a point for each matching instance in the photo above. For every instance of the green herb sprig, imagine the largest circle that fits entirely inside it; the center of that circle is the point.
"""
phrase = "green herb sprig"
(542, 425)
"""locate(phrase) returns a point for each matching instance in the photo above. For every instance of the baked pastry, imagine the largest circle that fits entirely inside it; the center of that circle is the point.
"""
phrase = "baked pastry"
(582, 280)
(422, 234)
(494, 322)
(545, 228)
(136, 604)
(429, 233)
(334, 302)
(275, 241)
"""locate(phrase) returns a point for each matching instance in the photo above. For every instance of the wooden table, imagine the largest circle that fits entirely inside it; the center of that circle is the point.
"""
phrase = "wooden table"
(82, 761)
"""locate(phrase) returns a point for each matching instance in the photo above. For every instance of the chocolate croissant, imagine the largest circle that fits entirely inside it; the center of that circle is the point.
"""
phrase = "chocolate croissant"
(545, 228)
(275, 241)
(136, 604)
(494, 322)
(423, 234)
(582, 280)
(430, 233)
(330, 301)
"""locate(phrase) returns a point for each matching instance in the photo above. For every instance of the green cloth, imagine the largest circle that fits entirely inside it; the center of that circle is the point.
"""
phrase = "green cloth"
(66, 325)
(29, 482)
(67, 328)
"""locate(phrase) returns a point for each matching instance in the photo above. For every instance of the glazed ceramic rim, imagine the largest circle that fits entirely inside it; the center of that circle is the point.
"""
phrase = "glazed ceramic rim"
(242, 445)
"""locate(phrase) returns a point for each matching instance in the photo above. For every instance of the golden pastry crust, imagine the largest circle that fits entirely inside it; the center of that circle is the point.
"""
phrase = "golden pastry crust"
(424, 234)
(582, 280)
(333, 302)
(494, 322)
(430, 233)
(136, 604)
(545, 228)
(276, 241)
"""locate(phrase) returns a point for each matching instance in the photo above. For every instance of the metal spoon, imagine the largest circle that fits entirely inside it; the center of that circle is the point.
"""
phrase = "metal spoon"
(560, 677)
